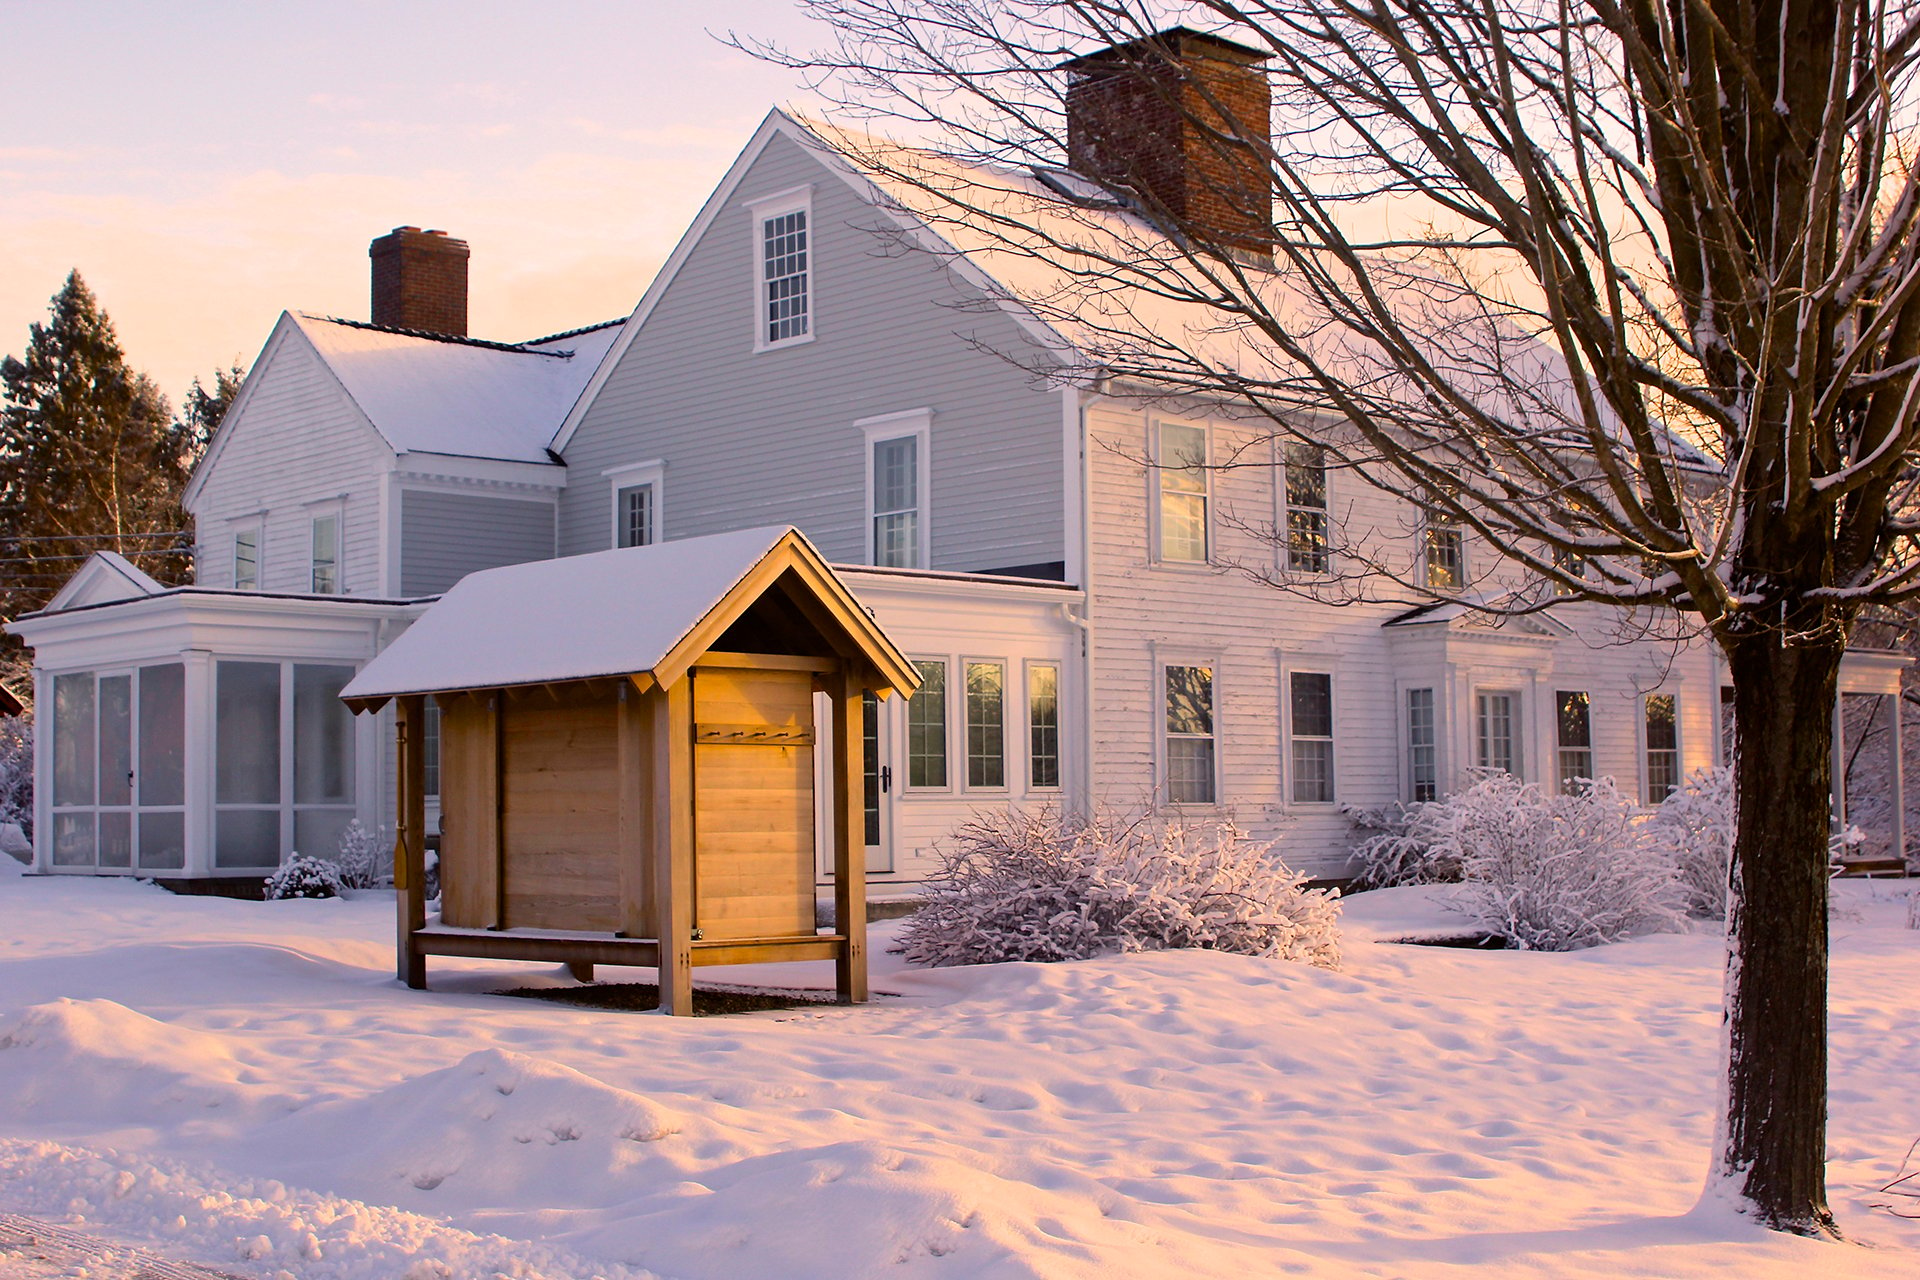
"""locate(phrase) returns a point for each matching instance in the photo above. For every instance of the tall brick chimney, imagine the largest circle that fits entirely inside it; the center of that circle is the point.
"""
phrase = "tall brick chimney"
(1181, 119)
(420, 281)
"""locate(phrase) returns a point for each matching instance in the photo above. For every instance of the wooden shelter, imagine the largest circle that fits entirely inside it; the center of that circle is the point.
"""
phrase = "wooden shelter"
(628, 759)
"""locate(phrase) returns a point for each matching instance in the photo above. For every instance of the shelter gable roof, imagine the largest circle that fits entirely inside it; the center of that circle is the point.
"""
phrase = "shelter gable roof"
(628, 612)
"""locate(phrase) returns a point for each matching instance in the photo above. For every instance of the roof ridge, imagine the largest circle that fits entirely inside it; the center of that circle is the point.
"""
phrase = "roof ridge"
(572, 333)
(518, 348)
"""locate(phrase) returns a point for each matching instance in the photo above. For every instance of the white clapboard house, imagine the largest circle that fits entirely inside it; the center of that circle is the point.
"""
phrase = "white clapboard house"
(1080, 617)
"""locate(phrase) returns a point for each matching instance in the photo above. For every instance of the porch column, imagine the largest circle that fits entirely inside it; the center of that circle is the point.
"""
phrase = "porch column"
(409, 850)
(1899, 778)
(201, 741)
(849, 839)
(671, 794)
(42, 769)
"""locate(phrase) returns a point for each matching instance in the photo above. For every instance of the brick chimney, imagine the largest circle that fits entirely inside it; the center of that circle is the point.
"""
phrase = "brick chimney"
(420, 281)
(1142, 117)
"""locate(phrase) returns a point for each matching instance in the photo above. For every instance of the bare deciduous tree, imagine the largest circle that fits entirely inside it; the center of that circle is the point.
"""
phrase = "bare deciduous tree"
(1630, 289)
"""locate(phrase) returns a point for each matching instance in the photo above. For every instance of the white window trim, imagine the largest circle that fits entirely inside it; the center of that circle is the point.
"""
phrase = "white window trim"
(317, 511)
(257, 526)
(1162, 787)
(793, 199)
(1283, 527)
(1304, 664)
(1155, 469)
(1519, 695)
(1556, 783)
(1059, 725)
(1679, 740)
(1008, 764)
(956, 761)
(632, 476)
(917, 423)
(1403, 719)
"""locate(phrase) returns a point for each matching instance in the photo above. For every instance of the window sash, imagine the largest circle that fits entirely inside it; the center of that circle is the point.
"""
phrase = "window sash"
(986, 724)
(1423, 773)
(636, 515)
(1495, 744)
(896, 502)
(1662, 746)
(1190, 749)
(1043, 726)
(927, 727)
(1310, 720)
(246, 560)
(1574, 738)
(1309, 543)
(784, 271)
(1446, 554)
(1183, 481)
(326, 555)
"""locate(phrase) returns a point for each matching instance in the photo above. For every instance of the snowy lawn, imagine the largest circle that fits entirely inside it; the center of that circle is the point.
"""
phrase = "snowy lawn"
(244, 1084)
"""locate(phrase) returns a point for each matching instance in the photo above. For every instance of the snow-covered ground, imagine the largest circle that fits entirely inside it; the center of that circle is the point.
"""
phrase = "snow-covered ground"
(243, 1084)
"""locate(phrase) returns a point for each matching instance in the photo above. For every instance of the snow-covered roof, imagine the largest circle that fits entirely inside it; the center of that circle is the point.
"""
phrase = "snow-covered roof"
(608, 613)
(106, 575)
(428, 394)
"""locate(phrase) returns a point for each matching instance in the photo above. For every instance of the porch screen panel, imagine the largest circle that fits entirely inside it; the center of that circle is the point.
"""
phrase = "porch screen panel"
(116, 837)
(247, 764)
(73, 753)
(116, 741)
(163, 736)
(322, 736)
(73, 839)
(163, 840)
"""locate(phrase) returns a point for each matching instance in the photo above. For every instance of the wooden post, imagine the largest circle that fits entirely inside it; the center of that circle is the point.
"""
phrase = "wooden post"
(581, 970)
(635, 781)
(671, 796)
(849, 837)
(409, 866)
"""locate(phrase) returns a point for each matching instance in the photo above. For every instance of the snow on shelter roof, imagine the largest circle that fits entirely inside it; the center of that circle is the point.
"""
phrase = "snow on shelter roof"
(427, 394)
(608, 613)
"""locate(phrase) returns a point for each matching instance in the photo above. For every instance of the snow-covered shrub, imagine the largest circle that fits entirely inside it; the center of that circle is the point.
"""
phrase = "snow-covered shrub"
(1047, 885)
(361, 859)
(1407, 846)
(16, 770)
(1557, 872)
(1695, 827)
(304, 877)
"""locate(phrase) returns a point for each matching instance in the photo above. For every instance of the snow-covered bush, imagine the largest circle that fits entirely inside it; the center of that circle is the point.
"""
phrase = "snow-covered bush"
(1556, 872)
(1047, 885)
(1695, 827)
(304, 877)
(361, 858)
(16, 770)
(1407, 846)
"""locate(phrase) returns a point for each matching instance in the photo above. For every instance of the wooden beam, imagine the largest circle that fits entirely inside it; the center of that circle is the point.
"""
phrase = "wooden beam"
(409, 871)
(849, 840)
(768, 950)
(765, 661)
(509, 945)
(634, 837)
(671, 799)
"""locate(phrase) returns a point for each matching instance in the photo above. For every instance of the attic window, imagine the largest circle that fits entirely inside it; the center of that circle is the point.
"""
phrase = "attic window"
(783, 256)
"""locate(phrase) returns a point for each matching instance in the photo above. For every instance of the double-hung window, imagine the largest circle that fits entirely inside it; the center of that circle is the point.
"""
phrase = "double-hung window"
(1575, 730)
(1496, 732)
(1423, 765)
(927, 726)
(1663, 747)
(1309, 531)
(636, 490)
(897, 481)
(1443, 549)
(246, 558)
(326, 554)
(1189, 735)
(784, 269)
(1181, 472)
(1310, 722)
(636, 515)
(986, 725)
(1043, 725)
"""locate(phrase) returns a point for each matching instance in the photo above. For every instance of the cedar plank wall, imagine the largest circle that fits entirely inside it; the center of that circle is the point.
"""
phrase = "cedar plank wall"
(301, 441)
(1145, 614)
(752, 438)
(446, 536)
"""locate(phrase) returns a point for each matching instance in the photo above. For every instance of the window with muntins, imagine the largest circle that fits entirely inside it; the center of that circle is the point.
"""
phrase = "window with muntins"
(1189, 735)
(1423, 770)
(1182, 473)
(1445, 552)
(1575, 733)
(1043, 725)
(1309, 531)
(896, 502)
(119, 774)
(1663, 747)
(326, 555)
(927, 727)
(787, 305)
(246, 559)
(635, 521)
(986, 724)
(1727, 737)
(1310, 717)
(1495, 744)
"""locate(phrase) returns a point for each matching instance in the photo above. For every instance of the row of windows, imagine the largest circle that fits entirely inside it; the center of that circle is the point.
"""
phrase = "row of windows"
(1496, 740)
(1183, 471)
(986, 711)
(323, 555)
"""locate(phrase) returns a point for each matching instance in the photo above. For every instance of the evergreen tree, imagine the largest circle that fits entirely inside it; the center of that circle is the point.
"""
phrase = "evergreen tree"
(89, 459)
(203, 411)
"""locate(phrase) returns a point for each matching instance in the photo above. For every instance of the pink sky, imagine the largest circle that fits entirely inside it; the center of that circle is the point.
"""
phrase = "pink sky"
(208, 165)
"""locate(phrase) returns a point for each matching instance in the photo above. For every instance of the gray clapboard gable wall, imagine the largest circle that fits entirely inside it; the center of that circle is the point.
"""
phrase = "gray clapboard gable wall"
(446, 536)
(295, 445)
(750, 438)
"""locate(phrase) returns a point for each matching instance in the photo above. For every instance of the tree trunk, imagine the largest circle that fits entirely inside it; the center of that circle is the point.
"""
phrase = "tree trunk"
(1773, 1140)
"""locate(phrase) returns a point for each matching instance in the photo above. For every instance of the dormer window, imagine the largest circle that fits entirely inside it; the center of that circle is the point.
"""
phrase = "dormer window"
(783, 258)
